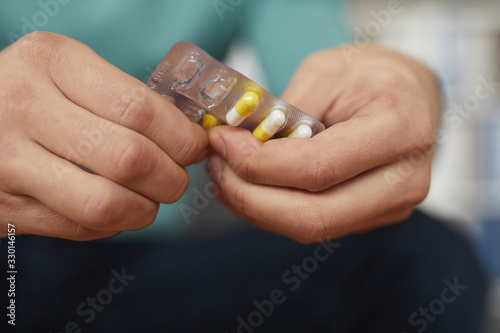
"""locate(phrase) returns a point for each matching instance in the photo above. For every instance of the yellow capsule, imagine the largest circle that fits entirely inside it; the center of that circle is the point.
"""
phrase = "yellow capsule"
(270, 125)
(209, 122)
(245, 106)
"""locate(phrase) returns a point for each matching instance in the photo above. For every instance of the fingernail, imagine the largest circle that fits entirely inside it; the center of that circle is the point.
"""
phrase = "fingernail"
(217, 142)
(214, 167)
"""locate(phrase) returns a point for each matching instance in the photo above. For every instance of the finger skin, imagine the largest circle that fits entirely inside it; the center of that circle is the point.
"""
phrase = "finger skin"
(376, 112)
(57, 96)
(333, 90)
(97, 86)
(361, 203)
(29, 216)
(87, 199)
(367, 169)
(110, 150)
(315, 164)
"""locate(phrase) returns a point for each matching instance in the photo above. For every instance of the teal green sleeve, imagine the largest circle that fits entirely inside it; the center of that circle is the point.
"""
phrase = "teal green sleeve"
(287, 31)
(135, 35)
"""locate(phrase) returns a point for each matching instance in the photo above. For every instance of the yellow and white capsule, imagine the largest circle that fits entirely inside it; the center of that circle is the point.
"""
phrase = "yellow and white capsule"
(269, 126)
(303, 131)
(245, 106)
(209, 122)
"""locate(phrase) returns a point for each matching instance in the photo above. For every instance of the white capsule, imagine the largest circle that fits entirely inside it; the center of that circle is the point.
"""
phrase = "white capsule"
(303, 131)
(270, 125)
(274, 121)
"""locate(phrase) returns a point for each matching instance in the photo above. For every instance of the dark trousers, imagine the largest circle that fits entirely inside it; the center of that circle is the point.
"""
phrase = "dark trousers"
(415, 276)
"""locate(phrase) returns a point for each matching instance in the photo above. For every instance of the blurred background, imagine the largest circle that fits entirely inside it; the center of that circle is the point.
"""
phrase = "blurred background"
(460, 42)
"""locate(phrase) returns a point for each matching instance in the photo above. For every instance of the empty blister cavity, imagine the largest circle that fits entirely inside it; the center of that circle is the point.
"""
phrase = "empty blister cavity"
(194, 113)
(187, 72)
(211, 94)
(170, 98)
(269, 126)
(216, 88)
(244, 107)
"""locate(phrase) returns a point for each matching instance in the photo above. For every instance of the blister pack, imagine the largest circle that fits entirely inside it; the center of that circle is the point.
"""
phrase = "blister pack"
(210, 94)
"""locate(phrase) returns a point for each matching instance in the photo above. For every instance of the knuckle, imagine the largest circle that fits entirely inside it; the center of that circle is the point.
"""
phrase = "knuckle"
(244, 162)
(8, 206)
(38, 46)
(424, 138)
(248, 170)
(82, 234)
(419, 192)
(399, 215)
(147, 215)
(8, 152)
(132, 160)
(416, 132)
(320, 175)
(403, 214)
(387, 81)
(313, 60)
(19, 99)
(390, 117)
(106, 212)
(320, 61)
(190, 149)
(134, 109)
(311, 226)
(237, 196)
(415, 191)
(99, 211)
(174, 194)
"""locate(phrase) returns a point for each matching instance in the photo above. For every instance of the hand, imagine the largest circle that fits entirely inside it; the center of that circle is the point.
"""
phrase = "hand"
(61, 105)
(368, 169)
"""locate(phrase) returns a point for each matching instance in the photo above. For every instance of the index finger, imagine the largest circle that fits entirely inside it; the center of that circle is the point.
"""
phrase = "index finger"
(94, 84)
(339, 153)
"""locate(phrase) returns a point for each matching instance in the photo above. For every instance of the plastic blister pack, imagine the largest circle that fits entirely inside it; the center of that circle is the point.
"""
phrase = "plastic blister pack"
(210, 94)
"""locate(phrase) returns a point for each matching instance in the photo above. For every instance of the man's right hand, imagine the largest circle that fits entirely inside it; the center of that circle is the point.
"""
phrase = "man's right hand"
(61, 106)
